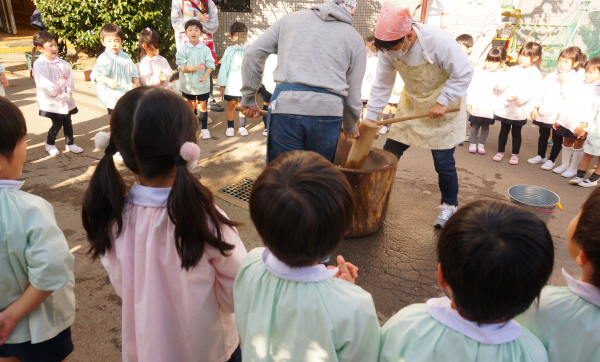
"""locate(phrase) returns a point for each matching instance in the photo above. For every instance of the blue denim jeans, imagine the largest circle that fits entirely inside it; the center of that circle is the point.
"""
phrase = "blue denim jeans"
(291, 132)
(445, 166)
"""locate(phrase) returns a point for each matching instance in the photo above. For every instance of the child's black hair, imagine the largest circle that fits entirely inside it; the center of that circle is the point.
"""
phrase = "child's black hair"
(385, 45)
(301, 206)
(12, 127)
(532, 50)
(111, 29)
(195, 23)
(496, 55)
(42, 37)
(573, 54)
(148, 37)
(369, 39)
(148, 127)
(496, 257)
(466, 40)
(237, 27)
(587, 232)
(593, 64)
(582, 61)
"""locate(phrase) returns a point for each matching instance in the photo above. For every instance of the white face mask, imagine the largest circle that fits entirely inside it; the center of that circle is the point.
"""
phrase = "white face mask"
(395, 54)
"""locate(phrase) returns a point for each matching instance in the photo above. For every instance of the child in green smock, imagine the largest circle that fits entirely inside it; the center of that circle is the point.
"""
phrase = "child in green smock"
(567, 320)
(494, 258)
(288, 306)
(37, 304)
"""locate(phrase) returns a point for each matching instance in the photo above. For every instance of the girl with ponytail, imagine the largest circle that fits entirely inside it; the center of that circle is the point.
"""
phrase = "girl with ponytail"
(171, 254)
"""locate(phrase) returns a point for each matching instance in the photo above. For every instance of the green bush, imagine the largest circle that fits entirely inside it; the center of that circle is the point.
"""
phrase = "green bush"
(80, 21)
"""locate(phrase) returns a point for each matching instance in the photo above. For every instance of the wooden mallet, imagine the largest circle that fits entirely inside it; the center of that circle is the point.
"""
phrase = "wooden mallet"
(362, 145)
(242, 108)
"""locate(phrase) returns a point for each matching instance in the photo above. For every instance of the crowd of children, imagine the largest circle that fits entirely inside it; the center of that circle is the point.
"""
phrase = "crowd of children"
(181, 269)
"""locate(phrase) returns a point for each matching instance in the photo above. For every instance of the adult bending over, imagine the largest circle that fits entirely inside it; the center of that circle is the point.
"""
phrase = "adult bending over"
(321, 64)
(436, 75)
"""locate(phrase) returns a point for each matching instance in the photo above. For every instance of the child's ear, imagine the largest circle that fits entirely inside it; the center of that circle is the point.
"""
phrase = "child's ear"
(440, 277)
(582, 258)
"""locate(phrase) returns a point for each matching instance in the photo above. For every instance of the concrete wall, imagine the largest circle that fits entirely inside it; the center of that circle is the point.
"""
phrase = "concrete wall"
(266, 12)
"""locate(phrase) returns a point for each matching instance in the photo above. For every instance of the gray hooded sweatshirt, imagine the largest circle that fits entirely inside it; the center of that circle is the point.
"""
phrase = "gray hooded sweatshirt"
(316, 47)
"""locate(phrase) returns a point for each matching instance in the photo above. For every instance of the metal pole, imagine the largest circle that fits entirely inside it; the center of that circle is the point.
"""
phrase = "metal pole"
(423, 11)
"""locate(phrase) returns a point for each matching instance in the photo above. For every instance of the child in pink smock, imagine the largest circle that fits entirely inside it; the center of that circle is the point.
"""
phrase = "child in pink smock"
(171, 254)
(152, 68)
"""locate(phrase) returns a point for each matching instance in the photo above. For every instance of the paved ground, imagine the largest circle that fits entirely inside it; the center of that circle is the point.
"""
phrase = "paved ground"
(397, 264)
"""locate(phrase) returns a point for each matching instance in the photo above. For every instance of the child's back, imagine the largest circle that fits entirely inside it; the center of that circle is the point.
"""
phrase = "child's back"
(494, 260)
(297, 310)
(567, 319)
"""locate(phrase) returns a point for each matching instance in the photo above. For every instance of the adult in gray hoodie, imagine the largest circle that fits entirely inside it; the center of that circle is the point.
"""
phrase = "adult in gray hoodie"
(321, 64)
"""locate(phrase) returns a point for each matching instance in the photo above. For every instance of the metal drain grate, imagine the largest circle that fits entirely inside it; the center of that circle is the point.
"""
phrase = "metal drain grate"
(239, 190)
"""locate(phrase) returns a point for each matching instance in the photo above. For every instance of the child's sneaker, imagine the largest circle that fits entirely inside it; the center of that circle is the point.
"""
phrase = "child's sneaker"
(481, 149)
(74, 148)
(569, 173)
(473, 148)
(560, 169)
(243, 131)
(514, 159)
(205, 134)
(550, 142)
(52, 150)
(499, 156)
(548, 165)
(383, 130)
(576, 180)
(230, 132)
(537, 159)
(588, 183)
(265, 133)
(445, 213)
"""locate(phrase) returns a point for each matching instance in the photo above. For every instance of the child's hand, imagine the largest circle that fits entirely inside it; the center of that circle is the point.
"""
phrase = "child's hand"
(511, 99)
(346, 271)
(136, 82)
(469, 109)
(582, 135)
(222, 91)
(112, 83)
(579, 130)
(555, 126)
(202, 79)
(200, 67)
(534, 113)
(7, 325)
(3, 80)
(162, 77)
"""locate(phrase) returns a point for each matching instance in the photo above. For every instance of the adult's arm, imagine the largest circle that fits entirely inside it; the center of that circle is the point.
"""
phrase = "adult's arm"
(450, 57)
(353, 103)
(253, 64)
(177, 19)
(212, 26)
(385, 78)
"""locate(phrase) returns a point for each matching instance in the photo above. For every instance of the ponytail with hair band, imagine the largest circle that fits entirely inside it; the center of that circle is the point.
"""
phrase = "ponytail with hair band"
(188, 156)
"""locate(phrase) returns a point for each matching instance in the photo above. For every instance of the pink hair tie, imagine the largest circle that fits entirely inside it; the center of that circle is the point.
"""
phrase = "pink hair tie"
(190, 152)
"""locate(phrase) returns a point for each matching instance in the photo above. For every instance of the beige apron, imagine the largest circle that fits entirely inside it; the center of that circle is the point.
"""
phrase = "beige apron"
(423, 84)
(471, 19)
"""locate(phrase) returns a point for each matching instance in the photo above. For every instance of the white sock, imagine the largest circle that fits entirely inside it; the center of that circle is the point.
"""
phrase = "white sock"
(445, 204)
(566, 155)
(577, 155)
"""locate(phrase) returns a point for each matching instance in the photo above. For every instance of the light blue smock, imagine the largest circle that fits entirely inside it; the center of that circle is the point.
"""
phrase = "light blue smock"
(192, 56)
(118, 67)
(230, 74)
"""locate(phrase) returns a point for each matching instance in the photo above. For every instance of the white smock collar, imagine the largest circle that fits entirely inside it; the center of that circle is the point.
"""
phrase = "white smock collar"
(199, 45)
(587, 291)
(53, 61)
(306, 274)
(13, 184)
(241, 47)
(493, 333)
(148, 196)
(477, 1)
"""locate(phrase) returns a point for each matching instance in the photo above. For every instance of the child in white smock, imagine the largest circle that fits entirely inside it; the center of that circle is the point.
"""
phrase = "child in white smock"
(567, 319)
(515, 98)
(170, 252)
(230, 76)
(494, 258)
(55, 85)
(37, 303)
(114, 72)
(288, 306)
(577, 109)
(482, 97)
(550, 102)
(152, 68)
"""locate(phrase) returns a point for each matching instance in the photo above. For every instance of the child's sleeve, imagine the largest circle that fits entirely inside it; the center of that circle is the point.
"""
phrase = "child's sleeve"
(472, 91)
(527, 90)
(49, 261)
(166, 68)
(181, 58)
(224, 71)
(70, 82)
(2, 70)
(43, 83)
(227, 267)
(133, 69)
(102, 67)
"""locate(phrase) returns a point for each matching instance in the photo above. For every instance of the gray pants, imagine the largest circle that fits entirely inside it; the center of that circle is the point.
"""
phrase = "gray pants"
(485, 130)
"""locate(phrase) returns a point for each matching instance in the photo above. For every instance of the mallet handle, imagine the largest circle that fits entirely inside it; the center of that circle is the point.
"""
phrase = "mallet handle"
(242, 108)
(412, 116)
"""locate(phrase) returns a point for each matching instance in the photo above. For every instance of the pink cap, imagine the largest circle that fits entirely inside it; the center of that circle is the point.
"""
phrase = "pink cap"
(393, 23)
